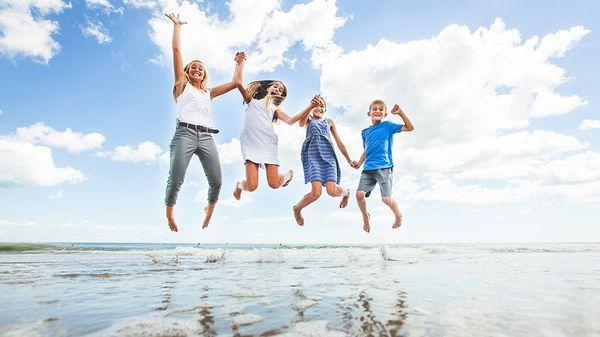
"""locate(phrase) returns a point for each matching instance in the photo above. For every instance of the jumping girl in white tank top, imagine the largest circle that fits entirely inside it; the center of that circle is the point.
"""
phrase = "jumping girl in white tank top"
(193, 134)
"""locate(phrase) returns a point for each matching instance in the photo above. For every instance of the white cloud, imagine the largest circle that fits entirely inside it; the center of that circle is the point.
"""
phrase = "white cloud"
(145, 152)
(231, 152)
(95, 29)
(470, 95)
(24, 31)
(142, 3)
(104, 5)
(39, 133)
(576, 168)
(499, 149)
(260, 27)
(25, 164)
(56, 195)
(274, 219)
(232, 202)
(588, 124)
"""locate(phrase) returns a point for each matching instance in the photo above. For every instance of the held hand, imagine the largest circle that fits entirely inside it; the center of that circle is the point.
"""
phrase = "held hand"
(175, 19)
(396, 110)
(314, 102)
(355, 164)
(240, 57)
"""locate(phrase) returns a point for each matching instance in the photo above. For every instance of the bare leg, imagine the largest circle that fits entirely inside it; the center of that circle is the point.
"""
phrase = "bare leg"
(275, 179)
(306, 200)
(335, 190)
(171, 219)
(362, 204)
(391, 203)
(208, 212)
(251, 182)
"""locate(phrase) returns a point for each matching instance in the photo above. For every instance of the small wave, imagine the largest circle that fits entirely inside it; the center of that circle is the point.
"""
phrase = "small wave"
(246, 319)
(216, 258)
(161, 259)
(150, 325)
(302, 302)
(385, 254)
(248, 294)
(312, 329)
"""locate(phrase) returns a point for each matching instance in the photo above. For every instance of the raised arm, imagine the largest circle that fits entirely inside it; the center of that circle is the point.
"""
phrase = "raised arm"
(180, 80)
(408, 126)
(314, 102)
(240, 58)
(302, 115)
(339, 142)
(239, 79)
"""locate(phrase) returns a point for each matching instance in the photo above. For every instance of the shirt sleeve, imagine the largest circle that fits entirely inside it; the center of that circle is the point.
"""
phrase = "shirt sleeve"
(395, 127)
(362, 135)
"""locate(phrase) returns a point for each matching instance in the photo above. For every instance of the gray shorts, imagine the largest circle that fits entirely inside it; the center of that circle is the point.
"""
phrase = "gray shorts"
(370, 178)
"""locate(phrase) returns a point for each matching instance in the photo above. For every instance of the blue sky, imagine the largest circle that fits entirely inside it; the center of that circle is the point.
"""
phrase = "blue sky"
(505, 146)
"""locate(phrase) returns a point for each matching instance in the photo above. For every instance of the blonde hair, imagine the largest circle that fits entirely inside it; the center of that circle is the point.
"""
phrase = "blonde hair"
(378, 101)
(258, 90)
(186, 69)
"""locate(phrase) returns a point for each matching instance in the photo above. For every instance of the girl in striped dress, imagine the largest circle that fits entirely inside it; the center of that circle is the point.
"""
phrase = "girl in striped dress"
(321, 167)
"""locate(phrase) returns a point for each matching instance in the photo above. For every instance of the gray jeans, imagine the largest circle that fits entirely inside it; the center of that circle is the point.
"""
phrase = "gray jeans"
(187, 142)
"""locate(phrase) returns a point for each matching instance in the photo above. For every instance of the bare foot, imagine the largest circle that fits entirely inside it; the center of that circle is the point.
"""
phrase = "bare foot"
(345, 198)
(237, 193)
(298, 216)
(398, 222)
(208, 214)
(287, 182)
(172, 224)
(367, 225)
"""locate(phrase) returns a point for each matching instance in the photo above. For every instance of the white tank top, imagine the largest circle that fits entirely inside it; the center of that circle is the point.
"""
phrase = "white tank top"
(194, 106)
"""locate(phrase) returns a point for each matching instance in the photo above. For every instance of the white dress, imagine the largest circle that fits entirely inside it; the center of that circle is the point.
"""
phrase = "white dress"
(258, 138)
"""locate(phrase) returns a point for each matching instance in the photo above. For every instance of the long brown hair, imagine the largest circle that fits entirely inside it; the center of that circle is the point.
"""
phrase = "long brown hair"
(258, 90)
(186, 70)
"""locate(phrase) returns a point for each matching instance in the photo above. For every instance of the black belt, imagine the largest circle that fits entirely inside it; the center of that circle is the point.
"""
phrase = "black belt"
(197, 127)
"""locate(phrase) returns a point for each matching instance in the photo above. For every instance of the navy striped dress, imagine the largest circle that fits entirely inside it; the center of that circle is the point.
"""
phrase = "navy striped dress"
(318, 157)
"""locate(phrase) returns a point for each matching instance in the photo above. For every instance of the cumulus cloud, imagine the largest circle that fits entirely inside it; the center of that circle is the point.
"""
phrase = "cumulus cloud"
(471, 96)
(25, 31)
(142, 3)
(146, 152)
(70, 140)
(588, 124)
(103, 5)
(260, 27)
(576, 168)
(231, 152)
(25, 164)
(95, 29)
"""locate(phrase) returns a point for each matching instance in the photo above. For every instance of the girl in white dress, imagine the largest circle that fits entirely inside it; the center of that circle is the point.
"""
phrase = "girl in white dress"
(258, 139)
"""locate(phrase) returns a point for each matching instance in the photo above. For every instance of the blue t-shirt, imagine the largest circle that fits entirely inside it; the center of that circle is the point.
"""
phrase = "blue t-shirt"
(377, 141)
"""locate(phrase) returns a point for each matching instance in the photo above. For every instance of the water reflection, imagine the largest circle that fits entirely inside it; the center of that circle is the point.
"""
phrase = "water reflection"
(360, 319)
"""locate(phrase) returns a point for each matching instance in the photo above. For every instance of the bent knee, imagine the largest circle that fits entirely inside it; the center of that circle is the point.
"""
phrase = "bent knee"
(332, 191)
(360, 195)
(274, 184)
(387, 200)
(315, 194)
(251, 187)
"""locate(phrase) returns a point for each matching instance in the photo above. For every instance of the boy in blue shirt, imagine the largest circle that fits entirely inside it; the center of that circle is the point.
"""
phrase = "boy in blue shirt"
(377, 157)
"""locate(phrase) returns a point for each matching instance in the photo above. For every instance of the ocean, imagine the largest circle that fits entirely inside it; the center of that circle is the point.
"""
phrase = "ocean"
(90, 289)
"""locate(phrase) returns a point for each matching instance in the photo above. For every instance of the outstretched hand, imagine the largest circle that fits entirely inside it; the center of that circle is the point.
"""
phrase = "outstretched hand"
(240, 57)
(316, 102)
(396, 110)
(175, 18)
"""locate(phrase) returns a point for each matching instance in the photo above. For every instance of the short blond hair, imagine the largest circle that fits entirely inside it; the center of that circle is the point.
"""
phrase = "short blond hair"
(378, 101)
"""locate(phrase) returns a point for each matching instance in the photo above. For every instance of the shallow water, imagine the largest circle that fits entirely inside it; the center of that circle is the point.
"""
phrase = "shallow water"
(243, 290)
